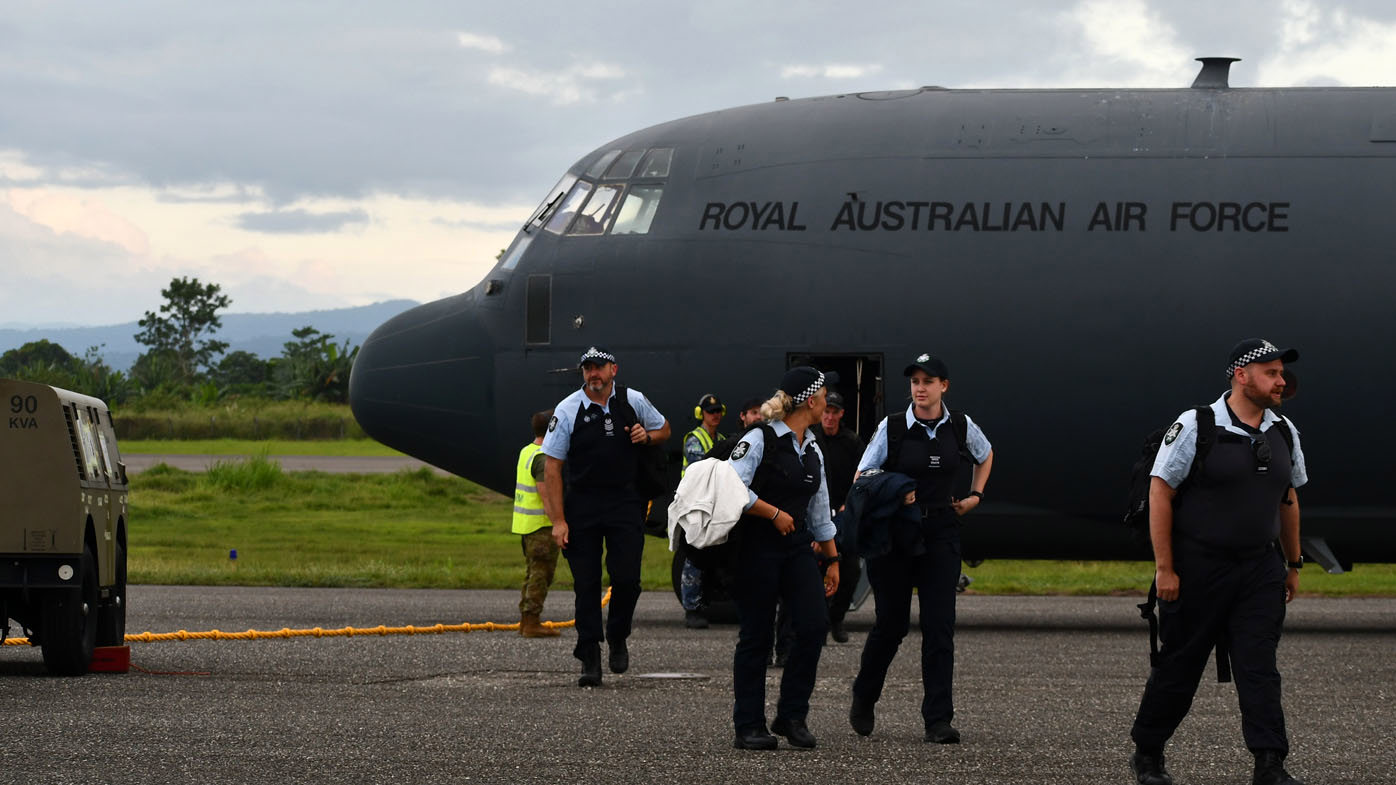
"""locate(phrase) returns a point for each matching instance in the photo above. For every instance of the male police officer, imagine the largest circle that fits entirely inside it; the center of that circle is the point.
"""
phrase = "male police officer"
(531, 524)
(596, 433)
(842, 450)
(696, 443)
(1219, 573)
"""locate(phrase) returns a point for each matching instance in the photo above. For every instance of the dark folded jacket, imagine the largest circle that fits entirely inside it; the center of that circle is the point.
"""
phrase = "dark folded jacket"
(876, 521)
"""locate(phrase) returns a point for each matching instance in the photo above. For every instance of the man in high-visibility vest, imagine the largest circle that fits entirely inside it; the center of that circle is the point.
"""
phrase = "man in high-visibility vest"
(530, 522)
(696, 443)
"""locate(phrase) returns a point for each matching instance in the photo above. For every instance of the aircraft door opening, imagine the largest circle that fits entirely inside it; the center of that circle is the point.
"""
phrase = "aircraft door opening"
(860, 384)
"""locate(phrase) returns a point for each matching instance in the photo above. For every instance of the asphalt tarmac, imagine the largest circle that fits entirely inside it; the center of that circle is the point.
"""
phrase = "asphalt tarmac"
(1045, 692)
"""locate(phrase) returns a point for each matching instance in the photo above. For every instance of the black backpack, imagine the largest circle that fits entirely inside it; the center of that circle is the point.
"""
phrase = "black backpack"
(1141, 476)
(652, 464)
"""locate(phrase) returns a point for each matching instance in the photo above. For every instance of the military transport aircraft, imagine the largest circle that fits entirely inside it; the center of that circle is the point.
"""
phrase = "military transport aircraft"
(1082, 259)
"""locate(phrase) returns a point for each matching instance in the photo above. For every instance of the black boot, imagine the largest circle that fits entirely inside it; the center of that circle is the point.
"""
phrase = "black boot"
(754, 739)
(591, 666)
(1270, 770)
(620, 657)
(1148, 768)
(860, 716)
(794, 731)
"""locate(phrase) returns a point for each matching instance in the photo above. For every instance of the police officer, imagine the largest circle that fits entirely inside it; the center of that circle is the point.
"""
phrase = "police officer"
(921, 443)
(696, 443)
(788, 509)
(1220, 532)
(531, 524)
(842, 450)
(595, 433)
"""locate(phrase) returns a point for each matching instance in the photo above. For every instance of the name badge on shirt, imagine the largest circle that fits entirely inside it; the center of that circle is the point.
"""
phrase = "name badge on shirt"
(935, 461)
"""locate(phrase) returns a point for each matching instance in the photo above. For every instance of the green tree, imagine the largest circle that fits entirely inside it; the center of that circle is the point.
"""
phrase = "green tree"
(312, 366)
(184, 326)
(41, 353)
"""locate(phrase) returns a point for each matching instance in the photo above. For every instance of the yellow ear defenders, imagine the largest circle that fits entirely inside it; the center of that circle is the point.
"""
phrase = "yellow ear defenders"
(698, 410)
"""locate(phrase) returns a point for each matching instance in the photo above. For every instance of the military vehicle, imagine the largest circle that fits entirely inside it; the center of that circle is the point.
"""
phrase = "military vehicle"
(62, 524)
(1082, 259)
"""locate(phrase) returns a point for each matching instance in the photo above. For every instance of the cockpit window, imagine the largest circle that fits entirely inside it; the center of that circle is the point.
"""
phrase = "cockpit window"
(574, 199)
(598, 210)
(594, 172)
(624, 165)
(637, 211)
(550, 202)
(656, 163)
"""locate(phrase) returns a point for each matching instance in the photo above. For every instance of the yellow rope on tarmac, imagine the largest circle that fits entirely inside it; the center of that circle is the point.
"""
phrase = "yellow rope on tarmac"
(319, 632)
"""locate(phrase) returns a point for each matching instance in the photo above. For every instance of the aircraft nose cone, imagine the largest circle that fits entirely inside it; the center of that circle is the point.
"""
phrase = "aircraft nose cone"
(423, 384)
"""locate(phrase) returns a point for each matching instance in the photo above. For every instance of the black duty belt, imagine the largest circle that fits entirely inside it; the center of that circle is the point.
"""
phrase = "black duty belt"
(1190, 545)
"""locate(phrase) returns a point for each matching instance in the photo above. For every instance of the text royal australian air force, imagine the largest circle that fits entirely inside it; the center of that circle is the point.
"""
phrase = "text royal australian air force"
(862, 215)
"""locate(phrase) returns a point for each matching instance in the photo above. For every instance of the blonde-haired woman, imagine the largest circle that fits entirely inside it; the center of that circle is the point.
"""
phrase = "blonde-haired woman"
(787, 510)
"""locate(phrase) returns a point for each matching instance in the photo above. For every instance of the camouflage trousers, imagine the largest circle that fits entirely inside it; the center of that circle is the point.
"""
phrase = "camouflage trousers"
(540, 556)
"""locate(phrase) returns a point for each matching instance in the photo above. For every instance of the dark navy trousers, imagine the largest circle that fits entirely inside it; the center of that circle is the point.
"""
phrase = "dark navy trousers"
(621, 531)
(933, 575)
(770, 567)
(1242, 600)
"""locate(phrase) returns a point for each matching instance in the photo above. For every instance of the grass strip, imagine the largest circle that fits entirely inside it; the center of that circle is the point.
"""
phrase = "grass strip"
(417, 530)
(337, 447)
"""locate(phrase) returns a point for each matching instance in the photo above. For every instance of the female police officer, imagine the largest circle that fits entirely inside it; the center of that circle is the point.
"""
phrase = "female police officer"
(926, 444)
(787, 510)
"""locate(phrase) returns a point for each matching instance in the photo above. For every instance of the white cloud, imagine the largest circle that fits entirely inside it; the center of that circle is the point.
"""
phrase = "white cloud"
(1131, 34)
(1326, 47)
(572, 85)
(829, 71)
(484, 43)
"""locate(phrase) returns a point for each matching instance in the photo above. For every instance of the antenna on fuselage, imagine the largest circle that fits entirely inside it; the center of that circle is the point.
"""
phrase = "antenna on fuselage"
(1215, 73)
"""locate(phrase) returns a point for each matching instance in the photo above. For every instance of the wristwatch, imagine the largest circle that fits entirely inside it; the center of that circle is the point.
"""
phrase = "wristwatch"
(977, 495)
(1296, 565)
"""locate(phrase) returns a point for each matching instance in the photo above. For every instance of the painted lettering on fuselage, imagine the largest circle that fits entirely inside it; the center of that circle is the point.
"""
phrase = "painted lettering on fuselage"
(898, 215)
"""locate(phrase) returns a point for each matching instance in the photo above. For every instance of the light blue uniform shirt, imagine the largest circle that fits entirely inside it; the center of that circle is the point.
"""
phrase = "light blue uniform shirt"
(1175, 455)
(817, 516)
(876, 453)
(559, 436)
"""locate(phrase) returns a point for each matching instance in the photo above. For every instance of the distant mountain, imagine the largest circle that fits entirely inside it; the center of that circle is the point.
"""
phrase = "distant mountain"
(260, 333)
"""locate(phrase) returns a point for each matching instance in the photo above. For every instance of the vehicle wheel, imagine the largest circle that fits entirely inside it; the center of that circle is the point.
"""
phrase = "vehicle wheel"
(70, 622)
(111, 617)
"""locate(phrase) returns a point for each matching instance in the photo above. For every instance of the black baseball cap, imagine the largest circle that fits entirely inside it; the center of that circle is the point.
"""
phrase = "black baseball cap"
(835, 401)
(595, 356)
(710, 403)
(752, 403)
(1257, 350)
(933, 366)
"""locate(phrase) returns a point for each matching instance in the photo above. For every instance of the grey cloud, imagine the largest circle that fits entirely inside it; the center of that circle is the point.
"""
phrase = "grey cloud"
(300, 221)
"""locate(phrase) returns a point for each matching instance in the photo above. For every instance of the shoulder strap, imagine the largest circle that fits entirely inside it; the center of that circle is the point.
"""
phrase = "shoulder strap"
(960, 423)
(1287, 434)
(1206, 436)
(624, 411)
(896, 431)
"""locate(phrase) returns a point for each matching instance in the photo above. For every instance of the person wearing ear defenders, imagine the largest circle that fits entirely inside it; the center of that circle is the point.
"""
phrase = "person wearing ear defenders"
(709, 413)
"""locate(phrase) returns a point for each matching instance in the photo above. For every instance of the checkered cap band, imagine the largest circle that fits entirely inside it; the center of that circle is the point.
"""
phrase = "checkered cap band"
(1249, 357)
(810, 390)
(594, 354)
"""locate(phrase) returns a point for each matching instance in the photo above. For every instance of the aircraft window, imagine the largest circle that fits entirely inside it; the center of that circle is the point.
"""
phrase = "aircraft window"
(657, 162)
(511, 259)
(624, 165)
(598, 210)
(594, 172)
(564, 214)
(637, 211)
(554, 196)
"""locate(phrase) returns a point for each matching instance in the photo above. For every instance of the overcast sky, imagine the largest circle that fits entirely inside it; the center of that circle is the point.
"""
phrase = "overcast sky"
(315, 155)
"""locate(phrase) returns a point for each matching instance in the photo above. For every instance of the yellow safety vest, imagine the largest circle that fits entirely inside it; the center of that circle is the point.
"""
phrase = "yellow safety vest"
(704, 440)
(528, 505)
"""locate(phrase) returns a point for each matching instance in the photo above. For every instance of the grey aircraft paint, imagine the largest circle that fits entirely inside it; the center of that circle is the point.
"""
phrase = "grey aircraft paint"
(1082, 259)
